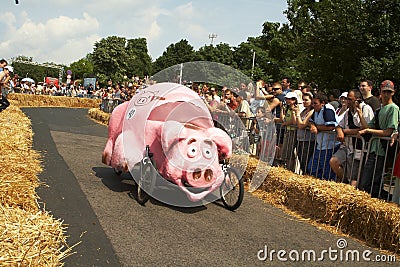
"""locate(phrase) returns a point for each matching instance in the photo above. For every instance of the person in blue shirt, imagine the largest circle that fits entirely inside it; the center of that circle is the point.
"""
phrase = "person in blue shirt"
(323, 123)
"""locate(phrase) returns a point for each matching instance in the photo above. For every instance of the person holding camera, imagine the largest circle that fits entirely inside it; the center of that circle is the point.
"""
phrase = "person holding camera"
(230, 99)
(289, 121)
(345, 163)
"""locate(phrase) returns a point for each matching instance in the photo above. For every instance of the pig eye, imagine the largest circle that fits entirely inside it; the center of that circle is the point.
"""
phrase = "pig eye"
(207, 153)
(192, 151)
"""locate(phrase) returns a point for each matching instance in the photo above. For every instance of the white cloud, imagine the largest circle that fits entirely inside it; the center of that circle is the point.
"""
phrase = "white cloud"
(154, 32)
(73, 49)
(40, 40)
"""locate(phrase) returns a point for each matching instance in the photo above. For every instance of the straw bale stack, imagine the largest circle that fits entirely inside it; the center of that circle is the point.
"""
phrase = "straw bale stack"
(19, 163)
(336, 204)
(99, 115)
(30, 239)
(28, 100)
(28, 236)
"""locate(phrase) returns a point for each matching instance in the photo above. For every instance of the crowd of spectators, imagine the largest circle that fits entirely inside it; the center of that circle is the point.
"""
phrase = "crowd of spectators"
(324, 135)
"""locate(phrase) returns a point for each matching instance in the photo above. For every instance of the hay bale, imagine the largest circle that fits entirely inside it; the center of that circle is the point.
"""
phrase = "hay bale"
(29, 236)
(31, 239)
(99, 116)
(28, 100)
(335, 204)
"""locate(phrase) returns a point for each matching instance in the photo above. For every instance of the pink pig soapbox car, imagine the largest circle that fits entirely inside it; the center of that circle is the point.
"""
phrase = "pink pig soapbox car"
(165, 137)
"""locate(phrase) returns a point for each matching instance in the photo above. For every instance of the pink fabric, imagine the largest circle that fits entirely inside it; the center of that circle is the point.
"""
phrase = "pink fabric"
(176, 124)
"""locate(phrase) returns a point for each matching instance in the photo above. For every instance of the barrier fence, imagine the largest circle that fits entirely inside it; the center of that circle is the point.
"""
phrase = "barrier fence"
(303, 152)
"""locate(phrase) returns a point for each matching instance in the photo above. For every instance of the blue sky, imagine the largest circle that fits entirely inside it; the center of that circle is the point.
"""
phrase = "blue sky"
(64, 31)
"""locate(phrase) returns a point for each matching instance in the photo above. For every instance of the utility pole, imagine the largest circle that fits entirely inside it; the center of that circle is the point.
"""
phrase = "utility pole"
(212, 37)
(252, 66)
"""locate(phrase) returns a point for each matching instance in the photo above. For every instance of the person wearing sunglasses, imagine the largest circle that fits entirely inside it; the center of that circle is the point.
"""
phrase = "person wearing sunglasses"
(276, 106)
(385, 122)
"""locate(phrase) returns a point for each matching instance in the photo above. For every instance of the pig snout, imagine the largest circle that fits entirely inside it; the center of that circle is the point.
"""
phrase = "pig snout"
(207, 175)
(201, 178)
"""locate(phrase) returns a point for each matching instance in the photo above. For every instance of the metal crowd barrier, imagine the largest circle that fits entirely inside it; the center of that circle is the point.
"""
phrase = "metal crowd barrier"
(108, 105)
(381, 183)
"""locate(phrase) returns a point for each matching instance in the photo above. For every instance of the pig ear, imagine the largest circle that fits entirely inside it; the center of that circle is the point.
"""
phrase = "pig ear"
(223, 142)
(169, 133)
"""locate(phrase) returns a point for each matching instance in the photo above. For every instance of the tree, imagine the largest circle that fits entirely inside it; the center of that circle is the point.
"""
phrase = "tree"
(32, 69)
(82, 68)
(221, 53)
(180, 52)
(111, 58)
(140, 63)
(339, 41)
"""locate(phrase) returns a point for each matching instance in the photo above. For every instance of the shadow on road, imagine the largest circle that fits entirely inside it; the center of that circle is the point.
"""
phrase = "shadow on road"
(113, 181)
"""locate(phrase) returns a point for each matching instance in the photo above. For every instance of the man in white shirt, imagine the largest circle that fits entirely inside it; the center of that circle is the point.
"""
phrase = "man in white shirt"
(346, 161)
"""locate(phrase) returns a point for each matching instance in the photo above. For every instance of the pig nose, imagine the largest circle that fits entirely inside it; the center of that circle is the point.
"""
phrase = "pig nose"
(208, 174)
(197, 174)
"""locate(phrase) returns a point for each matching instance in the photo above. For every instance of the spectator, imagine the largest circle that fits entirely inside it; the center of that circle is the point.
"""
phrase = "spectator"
(259, 137)
(250, 92)
(117, 94)
(210, 102)
(5, 77)
(299, 94)
(307, 89)
(260, 96)
(366, 87)
(289, 121)
(90, 90)
(215, 95)
(243, 109)
(286, 85)
(230, 99)
(276, 105)
(341, 110)
(386, 120)
(305, 140)
(347, 158)
(334, 98)
(322, 123)
(3, 63)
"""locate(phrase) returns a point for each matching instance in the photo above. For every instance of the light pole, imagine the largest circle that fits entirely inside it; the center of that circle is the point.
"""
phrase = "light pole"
(212, 37)
(252, 66)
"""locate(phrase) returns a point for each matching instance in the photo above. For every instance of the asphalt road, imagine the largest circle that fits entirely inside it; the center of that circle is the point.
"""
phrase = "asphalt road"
(114, 230)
